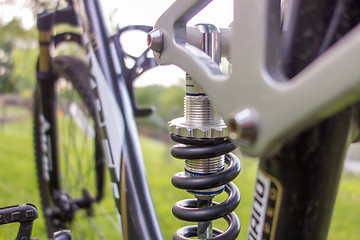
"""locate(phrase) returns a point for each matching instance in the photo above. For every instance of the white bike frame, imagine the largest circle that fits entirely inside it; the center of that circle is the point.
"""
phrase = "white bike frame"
(254, 121)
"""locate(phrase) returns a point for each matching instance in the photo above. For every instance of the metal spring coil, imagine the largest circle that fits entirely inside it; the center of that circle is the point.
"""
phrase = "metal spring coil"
(186, 210)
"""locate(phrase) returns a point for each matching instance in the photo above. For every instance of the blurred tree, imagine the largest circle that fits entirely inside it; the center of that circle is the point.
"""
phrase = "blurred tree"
(36, 6)
(24, 74)
(168, 102)
(171, 103)
(6, 67)
(17, 56)
(41, 5)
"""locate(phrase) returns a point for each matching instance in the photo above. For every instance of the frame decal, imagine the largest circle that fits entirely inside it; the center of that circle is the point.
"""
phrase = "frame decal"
(266, 207)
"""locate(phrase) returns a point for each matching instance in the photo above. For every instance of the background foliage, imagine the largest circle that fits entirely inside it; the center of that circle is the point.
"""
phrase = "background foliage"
(17, 57)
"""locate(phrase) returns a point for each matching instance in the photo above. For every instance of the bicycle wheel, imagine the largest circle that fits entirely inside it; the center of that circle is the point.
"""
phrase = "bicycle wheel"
(69, 157)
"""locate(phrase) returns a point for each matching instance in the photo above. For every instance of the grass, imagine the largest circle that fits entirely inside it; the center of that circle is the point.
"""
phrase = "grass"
(18, 185)
(17, 173)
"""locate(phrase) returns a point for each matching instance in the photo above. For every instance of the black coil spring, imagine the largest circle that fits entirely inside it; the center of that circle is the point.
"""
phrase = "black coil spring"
(187, 210)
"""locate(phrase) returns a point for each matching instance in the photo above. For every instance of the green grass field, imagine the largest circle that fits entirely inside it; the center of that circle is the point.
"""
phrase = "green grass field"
(18, 185)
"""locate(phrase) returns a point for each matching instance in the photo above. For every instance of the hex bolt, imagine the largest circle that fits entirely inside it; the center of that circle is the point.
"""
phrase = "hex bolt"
(155, 40)
(243, 127)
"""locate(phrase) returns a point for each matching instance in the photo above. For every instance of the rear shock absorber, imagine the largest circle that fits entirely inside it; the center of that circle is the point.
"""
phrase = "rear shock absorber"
(209, 165)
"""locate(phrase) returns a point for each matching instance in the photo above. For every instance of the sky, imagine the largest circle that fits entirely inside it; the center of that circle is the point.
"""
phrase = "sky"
(16, 9)
(218, 12)
(135, 12)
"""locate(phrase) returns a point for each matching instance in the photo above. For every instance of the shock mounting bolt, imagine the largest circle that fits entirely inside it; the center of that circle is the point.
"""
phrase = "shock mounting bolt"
(155, 40)
(243, 127)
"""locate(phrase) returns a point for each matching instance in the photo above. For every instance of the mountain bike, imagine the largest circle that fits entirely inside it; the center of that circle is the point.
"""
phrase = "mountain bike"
(272, 105)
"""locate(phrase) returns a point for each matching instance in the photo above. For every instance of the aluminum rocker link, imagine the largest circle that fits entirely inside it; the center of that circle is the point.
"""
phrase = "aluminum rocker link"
(254, 121)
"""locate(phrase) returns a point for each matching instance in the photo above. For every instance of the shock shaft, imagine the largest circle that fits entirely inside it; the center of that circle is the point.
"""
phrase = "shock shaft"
(202, 121)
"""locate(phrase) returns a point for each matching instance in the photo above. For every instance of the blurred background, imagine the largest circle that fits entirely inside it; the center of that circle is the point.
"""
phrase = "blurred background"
(162, 87)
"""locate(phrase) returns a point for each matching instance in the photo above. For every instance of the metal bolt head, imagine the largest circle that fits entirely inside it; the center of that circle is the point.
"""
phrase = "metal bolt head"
(155, 40)
(243, 127)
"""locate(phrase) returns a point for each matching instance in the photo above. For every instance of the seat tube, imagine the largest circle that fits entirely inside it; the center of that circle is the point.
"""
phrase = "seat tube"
(295, 190)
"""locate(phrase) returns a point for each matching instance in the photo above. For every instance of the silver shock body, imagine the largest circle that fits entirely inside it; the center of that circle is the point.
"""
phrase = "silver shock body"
(201, 120)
